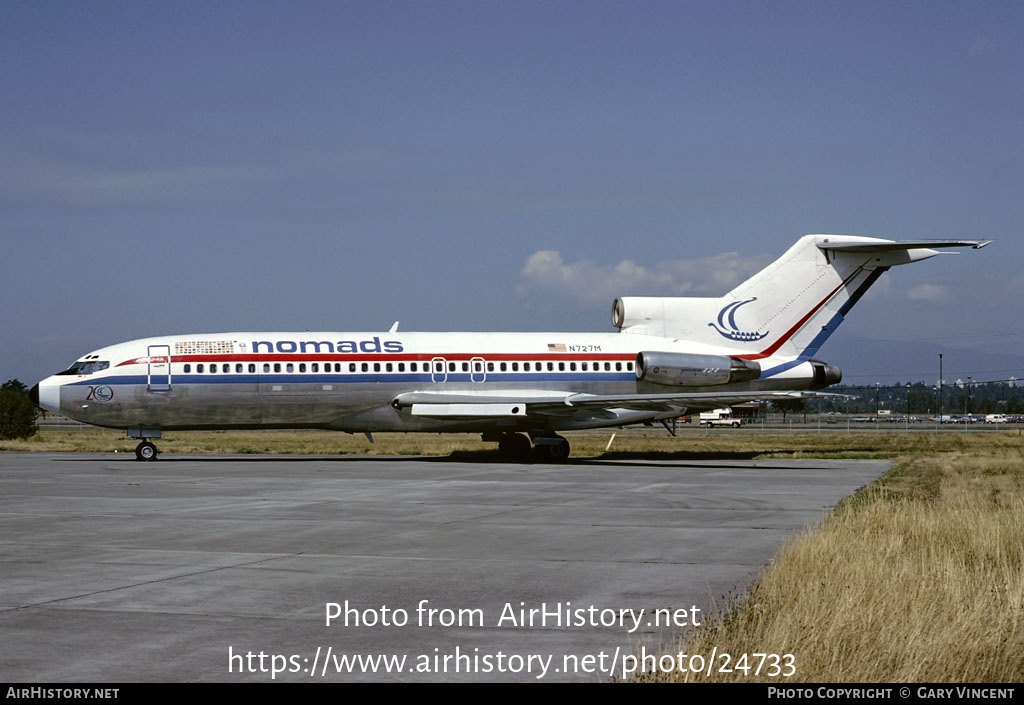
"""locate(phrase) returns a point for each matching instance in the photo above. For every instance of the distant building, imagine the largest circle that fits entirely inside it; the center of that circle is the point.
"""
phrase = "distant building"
(1012, 382)
(959, 383)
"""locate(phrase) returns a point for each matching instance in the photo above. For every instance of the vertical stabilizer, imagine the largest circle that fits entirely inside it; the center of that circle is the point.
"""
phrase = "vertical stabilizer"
(790, 307)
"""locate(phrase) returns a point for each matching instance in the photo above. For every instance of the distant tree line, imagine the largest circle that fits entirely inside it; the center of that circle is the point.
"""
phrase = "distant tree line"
(979, 398)
(17, 413)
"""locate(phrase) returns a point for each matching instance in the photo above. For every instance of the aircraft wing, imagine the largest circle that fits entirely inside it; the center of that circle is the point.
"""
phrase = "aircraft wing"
(568, 404)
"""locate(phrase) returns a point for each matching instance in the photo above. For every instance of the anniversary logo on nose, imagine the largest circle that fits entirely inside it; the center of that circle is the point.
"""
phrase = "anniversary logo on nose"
(103, 393)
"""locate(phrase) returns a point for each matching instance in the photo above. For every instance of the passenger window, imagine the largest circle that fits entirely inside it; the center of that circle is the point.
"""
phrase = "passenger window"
(412, 366)
(351, 367)
(388, 367)
(277, 367)
(315, 367)
(401, 367)
(199, 368)
(618, 367)
(478, 367)
(572, 366)
(238, 368)
(551, 366)
(451, 366)
(376, 367)
(504, 366)
(629, 366)
(515, 366)
(266, 368)
(526, 367)
(188, 368)
(365, 367)
(490, 367)
(584, 367)
(561, 367)
(607, 367)
(252, 368)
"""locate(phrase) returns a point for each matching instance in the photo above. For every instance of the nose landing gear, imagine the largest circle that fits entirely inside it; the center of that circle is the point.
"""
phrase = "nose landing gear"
(145, 451)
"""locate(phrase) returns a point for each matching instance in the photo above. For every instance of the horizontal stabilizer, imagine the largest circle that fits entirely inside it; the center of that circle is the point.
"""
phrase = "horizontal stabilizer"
(839, 244)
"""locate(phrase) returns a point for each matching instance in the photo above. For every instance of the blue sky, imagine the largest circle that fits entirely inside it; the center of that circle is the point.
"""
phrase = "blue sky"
(191, 167)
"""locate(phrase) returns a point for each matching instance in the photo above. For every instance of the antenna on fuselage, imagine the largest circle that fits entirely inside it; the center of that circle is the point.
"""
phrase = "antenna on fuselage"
(394, 327)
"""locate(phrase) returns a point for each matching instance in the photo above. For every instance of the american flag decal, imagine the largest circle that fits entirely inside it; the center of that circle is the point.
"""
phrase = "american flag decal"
(556, 347)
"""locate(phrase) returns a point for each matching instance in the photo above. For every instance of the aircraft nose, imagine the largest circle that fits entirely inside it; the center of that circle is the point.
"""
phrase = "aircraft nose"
(46, 395)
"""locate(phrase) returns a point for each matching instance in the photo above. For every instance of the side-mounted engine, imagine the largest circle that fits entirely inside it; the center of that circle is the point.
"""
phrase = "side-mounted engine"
(675, 370)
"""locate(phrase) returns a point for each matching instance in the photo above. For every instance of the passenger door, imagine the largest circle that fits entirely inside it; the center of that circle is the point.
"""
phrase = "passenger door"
(158, 373)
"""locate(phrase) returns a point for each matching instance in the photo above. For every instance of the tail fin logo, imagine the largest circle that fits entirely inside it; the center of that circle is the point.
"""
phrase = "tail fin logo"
(726, 325)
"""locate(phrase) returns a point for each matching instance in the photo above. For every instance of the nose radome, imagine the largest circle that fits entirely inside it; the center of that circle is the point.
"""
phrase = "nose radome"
(46, 395)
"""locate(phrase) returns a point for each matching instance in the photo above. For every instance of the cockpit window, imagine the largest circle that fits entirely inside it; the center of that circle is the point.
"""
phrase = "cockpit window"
(86, 368)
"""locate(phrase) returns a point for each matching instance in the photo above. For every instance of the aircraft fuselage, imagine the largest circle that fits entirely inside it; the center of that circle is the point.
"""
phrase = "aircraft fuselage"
(346, 381)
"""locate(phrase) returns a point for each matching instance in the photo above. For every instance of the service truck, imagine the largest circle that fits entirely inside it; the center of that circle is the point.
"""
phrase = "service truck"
(720, 417)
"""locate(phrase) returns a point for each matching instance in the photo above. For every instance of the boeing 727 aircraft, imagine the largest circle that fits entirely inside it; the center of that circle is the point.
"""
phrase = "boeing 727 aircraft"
(672, 355)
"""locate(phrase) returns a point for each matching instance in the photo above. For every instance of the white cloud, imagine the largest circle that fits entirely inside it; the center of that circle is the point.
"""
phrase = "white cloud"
(928, 292)
(588, 283)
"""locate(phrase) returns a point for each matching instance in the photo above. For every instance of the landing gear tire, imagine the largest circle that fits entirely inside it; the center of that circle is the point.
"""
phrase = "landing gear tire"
(145, 451)
(553, 453)
(514, 446)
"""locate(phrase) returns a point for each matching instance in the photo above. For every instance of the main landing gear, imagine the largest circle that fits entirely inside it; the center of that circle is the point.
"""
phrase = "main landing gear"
(145, 451)
(547, 449)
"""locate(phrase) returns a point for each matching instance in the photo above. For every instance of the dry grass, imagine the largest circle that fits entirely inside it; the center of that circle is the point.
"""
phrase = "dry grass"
(921, 578)
(97, 440)
(691, 443)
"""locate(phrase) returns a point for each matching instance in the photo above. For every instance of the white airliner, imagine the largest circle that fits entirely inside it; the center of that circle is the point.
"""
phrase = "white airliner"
(672, 355)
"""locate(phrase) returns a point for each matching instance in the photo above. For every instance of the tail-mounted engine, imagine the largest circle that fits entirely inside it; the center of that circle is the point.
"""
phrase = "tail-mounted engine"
(684, 370)
(825, 374)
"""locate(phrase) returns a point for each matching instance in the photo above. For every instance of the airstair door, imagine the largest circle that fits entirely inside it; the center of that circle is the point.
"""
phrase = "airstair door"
(158, 375)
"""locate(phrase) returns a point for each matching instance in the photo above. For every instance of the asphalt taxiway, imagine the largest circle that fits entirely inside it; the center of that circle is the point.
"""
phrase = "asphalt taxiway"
(187, 569)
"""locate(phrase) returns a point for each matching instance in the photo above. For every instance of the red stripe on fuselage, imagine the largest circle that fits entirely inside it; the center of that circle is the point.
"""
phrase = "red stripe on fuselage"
(396, 357)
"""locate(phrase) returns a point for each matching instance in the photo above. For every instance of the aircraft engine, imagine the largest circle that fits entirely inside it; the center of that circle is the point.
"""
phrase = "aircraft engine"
(825, 374)
(686, 370)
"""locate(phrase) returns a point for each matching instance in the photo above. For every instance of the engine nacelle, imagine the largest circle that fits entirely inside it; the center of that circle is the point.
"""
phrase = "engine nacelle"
(825, 374)
(685, 370)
